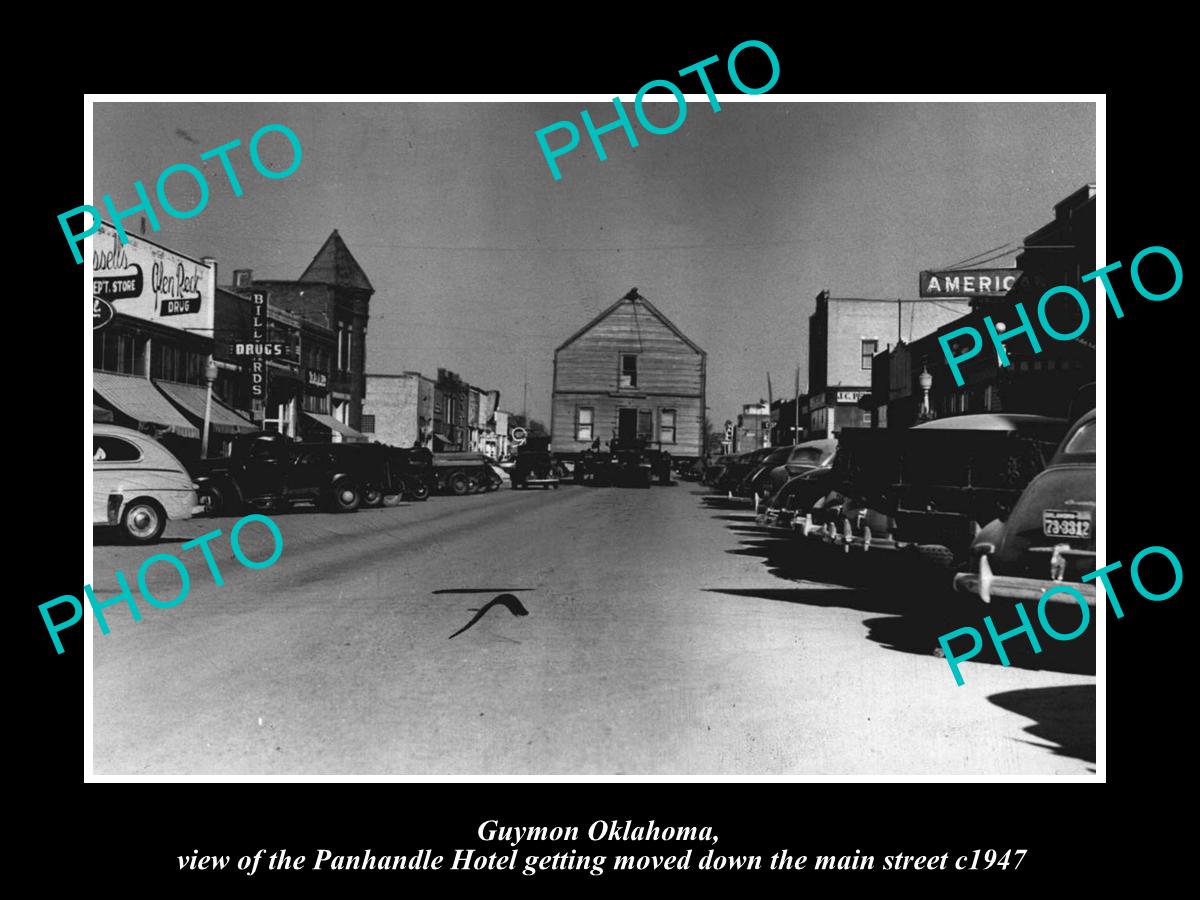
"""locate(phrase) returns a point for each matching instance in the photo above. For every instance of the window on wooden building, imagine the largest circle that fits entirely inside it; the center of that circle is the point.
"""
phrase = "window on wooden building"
(628, 370)
(583, 423)
(645, 426)
(666, 426)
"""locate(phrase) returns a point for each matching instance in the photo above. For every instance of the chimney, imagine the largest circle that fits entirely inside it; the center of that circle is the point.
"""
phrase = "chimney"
(211, 262)
(242, 278)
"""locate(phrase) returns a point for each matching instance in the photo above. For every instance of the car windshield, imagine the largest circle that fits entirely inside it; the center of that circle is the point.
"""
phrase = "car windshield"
(1082, 441)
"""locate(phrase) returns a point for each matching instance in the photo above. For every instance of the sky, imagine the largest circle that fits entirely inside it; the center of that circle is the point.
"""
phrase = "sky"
(483, 264)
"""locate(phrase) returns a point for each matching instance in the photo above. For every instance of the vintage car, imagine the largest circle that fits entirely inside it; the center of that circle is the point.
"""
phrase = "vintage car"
(269, 471)
(1049, 538)
(757, 480)
(715, 470)
(137, 484)
(931, 488)
(737, 468)
(535, 464)
(803, 458)
(789, 507)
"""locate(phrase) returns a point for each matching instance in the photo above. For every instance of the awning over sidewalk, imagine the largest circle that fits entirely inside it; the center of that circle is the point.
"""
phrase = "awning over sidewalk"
(138, 399)
(334, 425)
(191, 397)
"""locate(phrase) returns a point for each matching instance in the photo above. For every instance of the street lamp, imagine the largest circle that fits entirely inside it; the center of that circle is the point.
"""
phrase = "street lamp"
(925, 380)
(210, 375)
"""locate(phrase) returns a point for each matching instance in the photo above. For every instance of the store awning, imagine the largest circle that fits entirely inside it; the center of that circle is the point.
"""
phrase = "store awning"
(137, 398)
(191, 397)
(333, 424)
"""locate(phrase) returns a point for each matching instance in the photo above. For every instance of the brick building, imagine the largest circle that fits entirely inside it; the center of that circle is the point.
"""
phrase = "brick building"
(333, 292)
(844, 334)
(398, 409)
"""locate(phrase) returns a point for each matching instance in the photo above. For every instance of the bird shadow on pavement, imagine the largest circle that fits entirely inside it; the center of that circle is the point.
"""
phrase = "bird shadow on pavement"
(1065, 717)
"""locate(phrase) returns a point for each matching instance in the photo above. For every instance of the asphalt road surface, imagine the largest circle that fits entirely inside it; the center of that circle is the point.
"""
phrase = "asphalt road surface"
(648, 632)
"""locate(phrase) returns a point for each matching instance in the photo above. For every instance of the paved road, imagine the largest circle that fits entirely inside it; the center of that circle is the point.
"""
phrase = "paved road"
(664, 635)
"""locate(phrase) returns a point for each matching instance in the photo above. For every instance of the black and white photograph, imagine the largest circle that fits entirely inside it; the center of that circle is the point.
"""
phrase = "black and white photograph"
(735, 436)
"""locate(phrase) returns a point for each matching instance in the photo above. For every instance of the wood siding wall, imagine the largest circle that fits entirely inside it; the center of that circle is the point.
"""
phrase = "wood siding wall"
(670, 375)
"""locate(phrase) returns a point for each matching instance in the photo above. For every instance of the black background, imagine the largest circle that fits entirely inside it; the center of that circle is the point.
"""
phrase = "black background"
(1076, 832)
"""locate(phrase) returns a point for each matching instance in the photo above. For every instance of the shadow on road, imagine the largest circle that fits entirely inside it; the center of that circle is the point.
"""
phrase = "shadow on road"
(917, 599)
(1063, 716)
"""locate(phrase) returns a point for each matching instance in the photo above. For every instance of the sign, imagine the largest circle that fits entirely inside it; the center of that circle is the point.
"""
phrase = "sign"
(317, 379)
(147, 281)
(269, 349)
(102, 313)
(258, 333)
(519, 434)
(851, 396)
(968, 282)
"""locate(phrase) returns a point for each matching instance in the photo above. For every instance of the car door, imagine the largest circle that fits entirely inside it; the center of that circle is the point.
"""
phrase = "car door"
(263, 472)
(308, 472)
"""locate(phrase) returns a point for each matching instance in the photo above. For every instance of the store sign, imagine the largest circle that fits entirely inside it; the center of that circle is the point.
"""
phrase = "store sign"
(252, 349)
(141, 279)
(968, 282)
(851, 396)
(102, 313)
(258, 334)
(317, 379)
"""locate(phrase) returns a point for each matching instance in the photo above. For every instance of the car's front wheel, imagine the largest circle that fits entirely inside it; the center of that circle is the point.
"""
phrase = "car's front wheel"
(143, 522)
(459, 484)
(371, 497)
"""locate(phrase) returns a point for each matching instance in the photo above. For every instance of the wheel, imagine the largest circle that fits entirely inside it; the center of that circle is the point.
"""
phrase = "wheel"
(459, 484)
(344, 496)
(372, 497)
(418, 490)
(143, 522)
(213, 499)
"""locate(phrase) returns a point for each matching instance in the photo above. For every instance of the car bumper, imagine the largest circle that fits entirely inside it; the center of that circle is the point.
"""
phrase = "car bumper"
(988, 586)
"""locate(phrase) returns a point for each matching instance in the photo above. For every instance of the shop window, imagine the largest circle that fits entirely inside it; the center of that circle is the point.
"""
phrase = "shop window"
(869, 348)
(583, 423)
(666, 426)
(628, 370)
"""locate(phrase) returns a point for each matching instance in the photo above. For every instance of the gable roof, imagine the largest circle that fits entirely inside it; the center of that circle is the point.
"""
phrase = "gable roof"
(632, 297)
(335, 264)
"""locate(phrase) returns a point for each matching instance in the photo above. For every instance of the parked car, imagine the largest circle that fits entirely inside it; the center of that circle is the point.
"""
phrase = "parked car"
(789, 507)
(931, 488)
(716, 470)
(268, 470)
(737, 468)
(411, 470)
(803, 458)
(1049, 538)
(137, 484)
(627, 462)
(757, 479)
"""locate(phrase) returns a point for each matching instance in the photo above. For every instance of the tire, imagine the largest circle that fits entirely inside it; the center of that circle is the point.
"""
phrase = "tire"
(418, 490)
(344, 496)
(372, 497)
(213, 499)
(143, 521)
(458, 484)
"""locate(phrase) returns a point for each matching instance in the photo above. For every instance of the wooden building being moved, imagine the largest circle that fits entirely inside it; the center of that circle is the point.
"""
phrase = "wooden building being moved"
(629, 373)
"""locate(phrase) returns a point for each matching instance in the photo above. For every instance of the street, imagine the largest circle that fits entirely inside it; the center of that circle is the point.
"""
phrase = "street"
(661, 638)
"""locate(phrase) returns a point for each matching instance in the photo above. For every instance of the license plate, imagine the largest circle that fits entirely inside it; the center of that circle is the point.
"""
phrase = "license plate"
(1066, 523)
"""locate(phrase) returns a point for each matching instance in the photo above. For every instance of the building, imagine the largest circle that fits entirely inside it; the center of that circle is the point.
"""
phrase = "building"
(844, 334)
(297, 399)
(1044, 383)
(398, 409)
(629, 373)
(334, 293)
(150, 356)
(753, 430)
